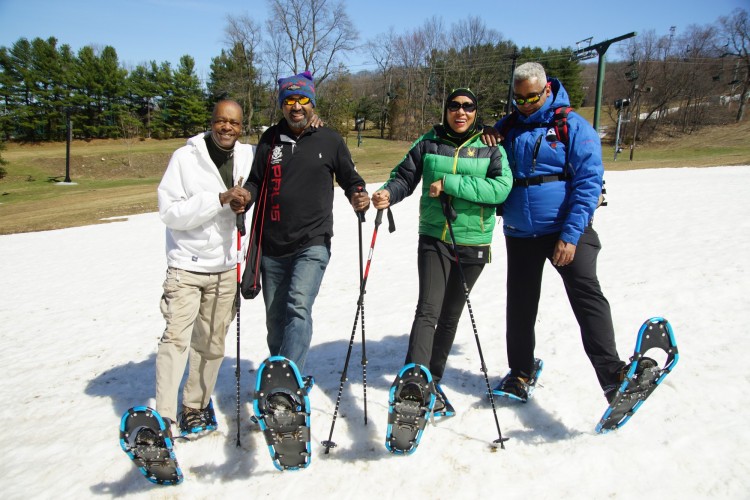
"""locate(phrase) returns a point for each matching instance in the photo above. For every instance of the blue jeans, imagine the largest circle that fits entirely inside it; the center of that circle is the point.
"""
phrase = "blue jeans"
(290, 285)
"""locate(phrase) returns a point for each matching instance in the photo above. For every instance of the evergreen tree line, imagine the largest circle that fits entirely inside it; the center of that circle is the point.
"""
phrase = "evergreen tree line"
(43, 82)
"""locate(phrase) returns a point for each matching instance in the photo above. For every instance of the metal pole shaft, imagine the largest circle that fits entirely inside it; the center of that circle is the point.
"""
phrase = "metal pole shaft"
(445, 202)
(329, 443)
(599, 85)
(635, 126)
(69, 136)
(509, 104)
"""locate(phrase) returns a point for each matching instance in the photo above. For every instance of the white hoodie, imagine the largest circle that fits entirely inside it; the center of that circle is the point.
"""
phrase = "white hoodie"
(201, 234)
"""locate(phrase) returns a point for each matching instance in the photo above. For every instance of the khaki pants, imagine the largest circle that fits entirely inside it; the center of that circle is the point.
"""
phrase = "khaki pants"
(198, 308)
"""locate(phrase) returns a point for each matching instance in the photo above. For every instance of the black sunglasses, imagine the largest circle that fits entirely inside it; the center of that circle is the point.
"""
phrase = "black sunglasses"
(469, 107)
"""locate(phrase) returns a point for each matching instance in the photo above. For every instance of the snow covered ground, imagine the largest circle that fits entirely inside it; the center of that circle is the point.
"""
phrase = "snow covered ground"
(80, 325)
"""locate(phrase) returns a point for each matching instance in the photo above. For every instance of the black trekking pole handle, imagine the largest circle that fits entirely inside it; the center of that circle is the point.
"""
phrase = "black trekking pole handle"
(240, 219)
(360, 214)
(379, 217)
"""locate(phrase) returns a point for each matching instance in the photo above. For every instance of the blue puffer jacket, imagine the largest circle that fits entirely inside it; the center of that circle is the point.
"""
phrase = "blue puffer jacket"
(565, 206)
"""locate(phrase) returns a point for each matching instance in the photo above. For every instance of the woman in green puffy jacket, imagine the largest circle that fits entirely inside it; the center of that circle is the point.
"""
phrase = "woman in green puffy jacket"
(449, 159)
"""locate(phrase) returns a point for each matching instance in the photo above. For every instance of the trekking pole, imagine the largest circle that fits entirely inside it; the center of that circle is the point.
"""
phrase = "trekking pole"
(450, 216)
(361, 219)
(237, 303)
(329, 443)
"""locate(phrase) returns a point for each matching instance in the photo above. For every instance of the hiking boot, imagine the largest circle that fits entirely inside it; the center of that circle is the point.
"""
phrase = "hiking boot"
(516, 386)
(411, 391)
(147, 437)
(191, 420)
(646, 366)
(647, 372)
(280, 401)
(280, 410)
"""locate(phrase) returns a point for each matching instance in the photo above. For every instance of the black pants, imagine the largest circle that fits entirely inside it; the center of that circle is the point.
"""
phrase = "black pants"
(439, 307)
(526, 258)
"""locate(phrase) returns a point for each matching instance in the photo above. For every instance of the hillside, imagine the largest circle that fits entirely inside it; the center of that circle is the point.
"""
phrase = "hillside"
(116, 178)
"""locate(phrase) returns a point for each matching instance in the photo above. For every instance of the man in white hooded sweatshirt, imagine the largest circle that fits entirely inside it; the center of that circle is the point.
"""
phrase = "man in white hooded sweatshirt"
(200, 196)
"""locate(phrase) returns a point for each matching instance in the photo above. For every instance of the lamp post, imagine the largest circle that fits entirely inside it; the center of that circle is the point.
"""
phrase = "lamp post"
(359, 122)
(68, 137)
(638, 91)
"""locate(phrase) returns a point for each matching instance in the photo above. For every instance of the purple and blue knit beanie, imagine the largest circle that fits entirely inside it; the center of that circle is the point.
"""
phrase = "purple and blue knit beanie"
(300, 84)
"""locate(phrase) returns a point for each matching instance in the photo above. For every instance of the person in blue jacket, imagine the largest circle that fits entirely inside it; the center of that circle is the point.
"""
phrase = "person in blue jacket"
(548, 215)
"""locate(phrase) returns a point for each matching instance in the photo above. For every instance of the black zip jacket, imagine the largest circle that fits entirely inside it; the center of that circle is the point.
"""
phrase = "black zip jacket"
(292, 178)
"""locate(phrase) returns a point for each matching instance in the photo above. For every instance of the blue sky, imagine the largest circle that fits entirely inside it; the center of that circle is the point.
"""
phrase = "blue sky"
(164, 30)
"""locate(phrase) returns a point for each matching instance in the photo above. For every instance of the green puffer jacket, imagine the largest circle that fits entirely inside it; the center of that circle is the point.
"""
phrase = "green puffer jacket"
(475, 176)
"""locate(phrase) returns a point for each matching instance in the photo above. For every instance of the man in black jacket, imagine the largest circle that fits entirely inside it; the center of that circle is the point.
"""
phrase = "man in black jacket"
(292, 181)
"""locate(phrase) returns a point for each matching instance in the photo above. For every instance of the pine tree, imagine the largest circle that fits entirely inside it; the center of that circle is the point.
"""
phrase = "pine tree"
(113, 84)
(143, 93)
(191, 115)
(233, 76)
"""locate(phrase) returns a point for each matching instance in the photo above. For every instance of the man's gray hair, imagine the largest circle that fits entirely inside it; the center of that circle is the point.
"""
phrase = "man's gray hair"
(529, 71)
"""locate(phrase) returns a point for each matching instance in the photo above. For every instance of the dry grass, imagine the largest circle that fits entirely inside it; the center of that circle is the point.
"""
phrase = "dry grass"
(117, 178)
(76, 208)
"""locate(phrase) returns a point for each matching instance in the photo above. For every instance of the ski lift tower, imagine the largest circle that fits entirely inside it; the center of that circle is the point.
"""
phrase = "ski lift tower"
(590, 51)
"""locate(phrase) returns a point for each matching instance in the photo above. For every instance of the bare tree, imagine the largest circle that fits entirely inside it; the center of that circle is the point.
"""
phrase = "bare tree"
(694, 65)
(471, 54)
(317, 33)
(382, 49)
(244, 37)
(130, 131)
(736, 29)
(655, 65)
(433, 33)
(411, 53)
(472, 32)
(272, 61)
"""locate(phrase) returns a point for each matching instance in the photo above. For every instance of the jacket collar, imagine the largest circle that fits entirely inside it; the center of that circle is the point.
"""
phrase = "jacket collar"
(286, 134)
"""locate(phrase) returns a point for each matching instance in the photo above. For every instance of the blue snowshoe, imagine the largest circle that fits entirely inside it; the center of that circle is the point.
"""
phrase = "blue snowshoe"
(282, 407)
(410, 403)
(145, 438)
(643, 374)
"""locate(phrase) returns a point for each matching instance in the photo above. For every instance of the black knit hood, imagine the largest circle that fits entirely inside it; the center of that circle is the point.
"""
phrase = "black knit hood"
(445, 130)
